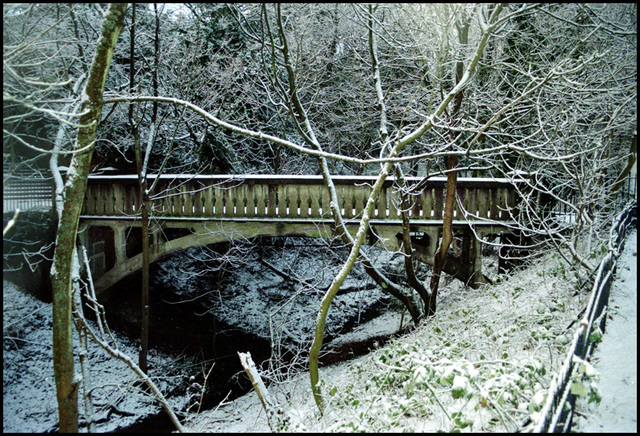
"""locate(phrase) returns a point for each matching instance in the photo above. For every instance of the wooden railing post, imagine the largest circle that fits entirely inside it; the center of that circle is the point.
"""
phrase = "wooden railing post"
(250, 199)
(427, 204)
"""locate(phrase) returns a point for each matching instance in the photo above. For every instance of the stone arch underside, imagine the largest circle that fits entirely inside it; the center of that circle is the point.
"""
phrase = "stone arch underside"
(209, 232)
(212, 232)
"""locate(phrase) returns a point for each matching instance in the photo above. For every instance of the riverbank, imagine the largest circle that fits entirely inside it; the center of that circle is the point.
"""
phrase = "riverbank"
(483, 363)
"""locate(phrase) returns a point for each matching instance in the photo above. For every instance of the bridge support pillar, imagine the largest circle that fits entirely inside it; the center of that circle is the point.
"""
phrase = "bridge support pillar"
(120, 243)
(463, 262)
(475, 257)
(425, 250)
(96, 243)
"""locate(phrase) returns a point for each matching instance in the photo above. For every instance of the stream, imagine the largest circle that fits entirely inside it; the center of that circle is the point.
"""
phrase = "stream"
(208, 303)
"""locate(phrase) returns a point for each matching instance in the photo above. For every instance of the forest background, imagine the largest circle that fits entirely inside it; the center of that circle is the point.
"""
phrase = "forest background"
(541, 93)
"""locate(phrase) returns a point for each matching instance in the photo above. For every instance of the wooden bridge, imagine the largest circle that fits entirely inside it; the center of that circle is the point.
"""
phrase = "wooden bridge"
(188, 211)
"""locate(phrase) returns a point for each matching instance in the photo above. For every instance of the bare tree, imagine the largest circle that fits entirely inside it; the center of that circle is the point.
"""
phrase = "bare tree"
(66, 385)
(39, 71)
(75, 187)
(572, 121)
(542, 94)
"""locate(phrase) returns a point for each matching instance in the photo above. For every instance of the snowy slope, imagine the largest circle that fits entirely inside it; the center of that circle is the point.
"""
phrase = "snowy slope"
(483, 363)
(28, 387)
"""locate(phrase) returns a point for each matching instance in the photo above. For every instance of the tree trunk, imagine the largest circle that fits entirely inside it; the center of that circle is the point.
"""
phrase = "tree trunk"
(462, 25)
(144, 321)
(75, 188)
(276, 417)
(144, 207)
(447, 234)
(406, 241)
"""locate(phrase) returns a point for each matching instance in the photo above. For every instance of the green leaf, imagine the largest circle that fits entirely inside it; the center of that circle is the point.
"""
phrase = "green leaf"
(457, 393)
(595, 336)
(578, 388)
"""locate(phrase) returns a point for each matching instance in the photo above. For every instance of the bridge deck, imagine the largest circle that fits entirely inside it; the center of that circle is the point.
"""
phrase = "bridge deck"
(179, 222)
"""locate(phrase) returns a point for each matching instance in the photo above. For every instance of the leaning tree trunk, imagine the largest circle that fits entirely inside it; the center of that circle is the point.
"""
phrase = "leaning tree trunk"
(394, 151)
(447, 235)
(74, 192)
(462, 26)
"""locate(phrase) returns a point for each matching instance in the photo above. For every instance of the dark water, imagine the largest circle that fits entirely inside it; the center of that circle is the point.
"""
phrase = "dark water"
(189, 329)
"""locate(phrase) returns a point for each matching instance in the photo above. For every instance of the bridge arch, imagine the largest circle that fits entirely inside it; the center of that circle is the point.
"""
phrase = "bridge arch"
(111, 266)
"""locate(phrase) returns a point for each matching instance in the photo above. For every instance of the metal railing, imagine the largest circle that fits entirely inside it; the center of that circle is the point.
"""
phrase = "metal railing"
(557, 413)
(26, 190)
(626, 191)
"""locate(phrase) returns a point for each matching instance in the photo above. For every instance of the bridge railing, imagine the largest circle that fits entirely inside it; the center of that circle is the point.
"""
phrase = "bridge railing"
(25, 189)
(291, 197)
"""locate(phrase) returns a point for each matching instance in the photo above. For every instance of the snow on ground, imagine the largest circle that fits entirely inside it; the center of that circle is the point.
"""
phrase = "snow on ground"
(616, 357)
(483, 363)
(255, 299)
(28, 387)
